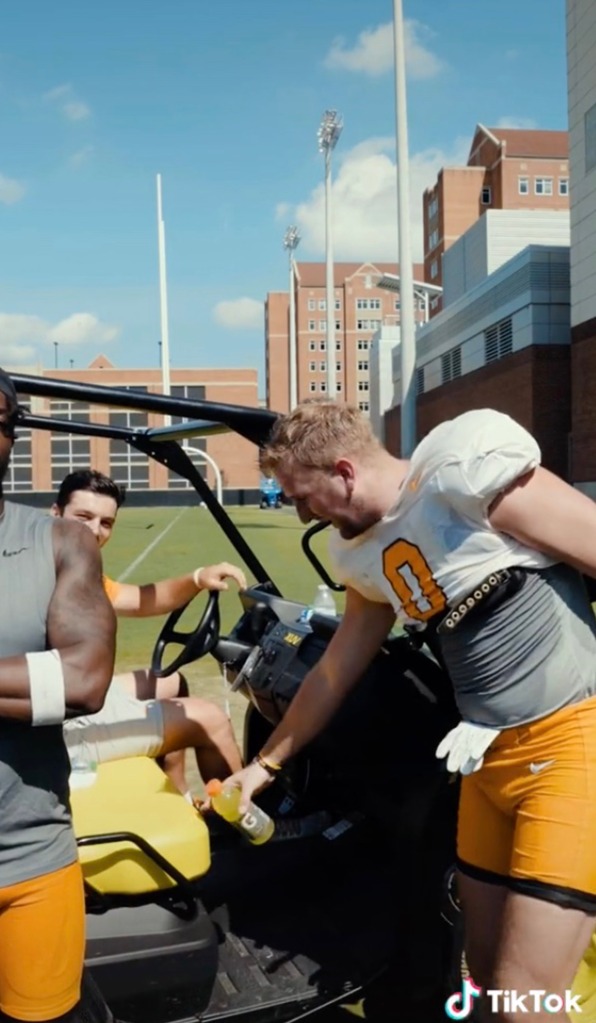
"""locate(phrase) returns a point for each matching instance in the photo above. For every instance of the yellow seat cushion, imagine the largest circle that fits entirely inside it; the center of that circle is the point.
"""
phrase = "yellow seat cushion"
(135, 795)
(584, 985)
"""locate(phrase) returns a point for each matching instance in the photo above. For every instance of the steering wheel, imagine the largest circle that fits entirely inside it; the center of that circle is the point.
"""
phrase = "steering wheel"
(195, 644)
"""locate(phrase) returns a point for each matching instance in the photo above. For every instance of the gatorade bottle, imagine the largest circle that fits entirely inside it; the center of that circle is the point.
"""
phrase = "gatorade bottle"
(255, 824)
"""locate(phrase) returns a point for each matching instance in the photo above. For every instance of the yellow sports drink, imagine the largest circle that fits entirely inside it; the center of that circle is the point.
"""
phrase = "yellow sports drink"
(254, 823)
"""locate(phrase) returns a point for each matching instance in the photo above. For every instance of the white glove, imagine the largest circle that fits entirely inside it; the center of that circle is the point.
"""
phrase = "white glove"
(466, 745)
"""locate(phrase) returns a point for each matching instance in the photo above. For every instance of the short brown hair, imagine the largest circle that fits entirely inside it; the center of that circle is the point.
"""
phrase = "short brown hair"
(315, 434)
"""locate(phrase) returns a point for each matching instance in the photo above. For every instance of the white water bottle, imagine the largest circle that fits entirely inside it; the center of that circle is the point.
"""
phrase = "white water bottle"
(324, 604)
(83, 766)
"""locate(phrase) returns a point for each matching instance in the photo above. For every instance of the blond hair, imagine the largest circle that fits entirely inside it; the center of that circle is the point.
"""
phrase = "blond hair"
(316, 434)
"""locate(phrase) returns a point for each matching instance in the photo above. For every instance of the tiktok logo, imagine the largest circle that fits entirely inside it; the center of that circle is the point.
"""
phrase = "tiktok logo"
(460, 1005)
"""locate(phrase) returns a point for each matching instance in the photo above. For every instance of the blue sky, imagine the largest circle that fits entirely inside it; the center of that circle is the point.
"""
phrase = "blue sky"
(224, 100)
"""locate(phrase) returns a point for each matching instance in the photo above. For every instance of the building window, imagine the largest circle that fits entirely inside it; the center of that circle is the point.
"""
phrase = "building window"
(433, 239)
(397, 304)
(363, 385)
(322, 366)
(451, 365)
(312, 346)
(323, 387)
(322, 346)
(362, 303)
(338, 346)
(362, 346)
(433, 207)
(312, 386)
(128, 466)
(322, 305)
(420, 380)
(19, 475)
(486, 196)
(590, 138)
(337, 304)
(322, 324)
(523, 186)
(363, 406)
(543, 186)
(69, 451)
(338, 367)
(338, 385)
(312, 305)
(312, 367)
(312, 325)
(563, 186)
(362, 365)
(197, 393)
(498, 340)
(338, 324)
(434, 269)
(375, 303)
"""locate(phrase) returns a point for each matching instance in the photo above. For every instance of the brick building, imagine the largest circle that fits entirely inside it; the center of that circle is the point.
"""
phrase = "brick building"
(507, 169)
(503, 344)
(41, 459)
(360, 308)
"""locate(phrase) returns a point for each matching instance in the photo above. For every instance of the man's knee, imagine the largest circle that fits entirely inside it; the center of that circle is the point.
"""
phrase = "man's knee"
(209, 716)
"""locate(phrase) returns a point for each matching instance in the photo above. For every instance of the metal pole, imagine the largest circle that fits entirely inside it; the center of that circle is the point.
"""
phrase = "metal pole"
(329, 286)
(292, 354)
(291, 240)
(163, 298)
(55, 354)
(407, 319)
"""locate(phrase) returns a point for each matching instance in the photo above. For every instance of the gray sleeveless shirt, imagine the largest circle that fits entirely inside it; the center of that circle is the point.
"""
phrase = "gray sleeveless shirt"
(35, 827)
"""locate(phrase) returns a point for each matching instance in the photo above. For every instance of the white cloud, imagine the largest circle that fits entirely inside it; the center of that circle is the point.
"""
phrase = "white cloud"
(75, 110)
(11, 190)
(16, 355)
(81, 156)
(16, 327)
(63, 97)
(372, 54)
(80, 328)
(58, 92)
(526, 123)
(239, 314)
(364, 197)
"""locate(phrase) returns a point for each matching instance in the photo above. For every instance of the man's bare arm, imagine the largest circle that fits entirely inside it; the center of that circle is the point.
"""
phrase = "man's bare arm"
(543, 512)
(81, 625)
(360, 635)
(167, 595)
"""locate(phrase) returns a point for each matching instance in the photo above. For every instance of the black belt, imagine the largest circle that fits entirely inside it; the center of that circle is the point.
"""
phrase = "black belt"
(489, 593)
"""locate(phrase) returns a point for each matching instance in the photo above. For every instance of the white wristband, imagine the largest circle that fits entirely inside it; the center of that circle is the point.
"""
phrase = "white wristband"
(195, 577)
(46, 686)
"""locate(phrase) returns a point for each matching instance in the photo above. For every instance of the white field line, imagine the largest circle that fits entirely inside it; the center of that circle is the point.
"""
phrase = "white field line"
(137, 561)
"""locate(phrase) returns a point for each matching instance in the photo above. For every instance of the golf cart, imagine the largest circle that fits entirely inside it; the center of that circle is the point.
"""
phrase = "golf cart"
(185, 920)
(270, 493)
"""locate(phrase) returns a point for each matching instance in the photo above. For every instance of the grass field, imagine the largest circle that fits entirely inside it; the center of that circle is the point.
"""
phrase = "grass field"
(155, 543)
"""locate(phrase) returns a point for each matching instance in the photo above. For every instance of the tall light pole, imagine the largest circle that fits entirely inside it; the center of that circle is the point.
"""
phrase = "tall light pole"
(163, 298)
(328, 134)
(291, 239)
(407, 317)
(56, 354)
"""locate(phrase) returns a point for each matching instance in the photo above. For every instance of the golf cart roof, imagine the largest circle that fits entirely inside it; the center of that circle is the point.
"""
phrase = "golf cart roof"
(204, 417)
(201, 419)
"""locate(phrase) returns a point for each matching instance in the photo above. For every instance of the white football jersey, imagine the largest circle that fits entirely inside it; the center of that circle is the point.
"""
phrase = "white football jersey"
(436, 544)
